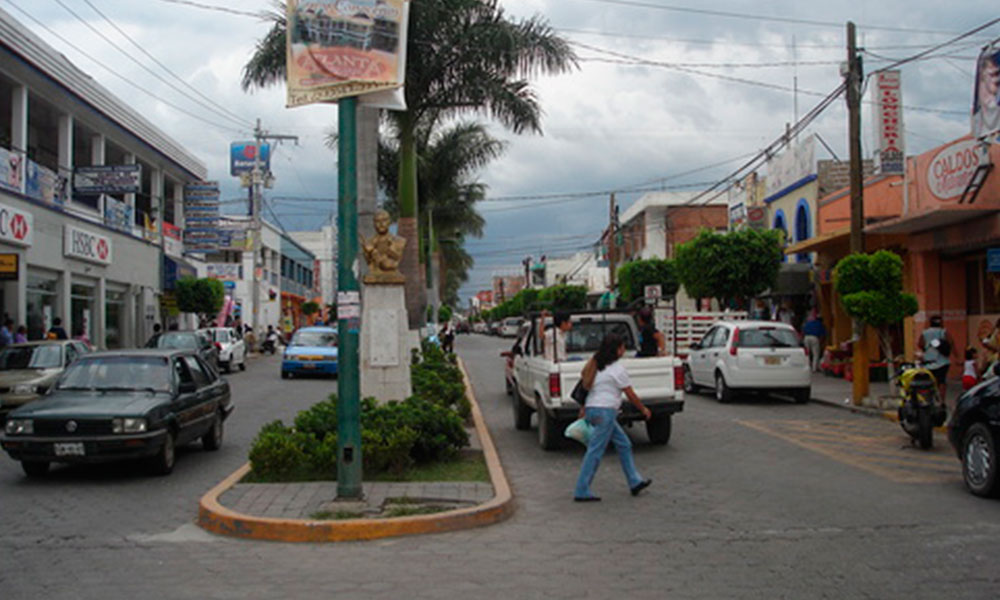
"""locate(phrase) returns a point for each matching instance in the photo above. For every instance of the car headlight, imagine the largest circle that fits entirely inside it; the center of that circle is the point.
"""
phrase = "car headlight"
(20, 427)
(24, 388)
(128, 425)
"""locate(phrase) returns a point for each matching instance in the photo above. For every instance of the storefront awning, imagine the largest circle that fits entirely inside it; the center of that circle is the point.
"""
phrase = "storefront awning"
(820, 242)
(935, 218)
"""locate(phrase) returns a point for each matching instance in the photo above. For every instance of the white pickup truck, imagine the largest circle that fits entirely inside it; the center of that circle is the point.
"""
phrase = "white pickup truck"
(542, 386)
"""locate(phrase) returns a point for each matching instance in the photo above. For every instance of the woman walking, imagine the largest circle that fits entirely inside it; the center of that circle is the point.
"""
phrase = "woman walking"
(607, 381)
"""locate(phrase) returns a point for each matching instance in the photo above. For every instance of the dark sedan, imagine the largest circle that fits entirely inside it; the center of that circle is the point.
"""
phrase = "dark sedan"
(109, 406)
(187, 340)
(974, 432)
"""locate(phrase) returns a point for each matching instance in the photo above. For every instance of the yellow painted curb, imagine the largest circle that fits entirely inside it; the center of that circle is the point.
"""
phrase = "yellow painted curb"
(214, 517)
(893, 416)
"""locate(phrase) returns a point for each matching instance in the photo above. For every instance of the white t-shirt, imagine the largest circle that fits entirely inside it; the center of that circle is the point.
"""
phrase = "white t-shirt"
(560, 344)
(970, 369)
(608, 385)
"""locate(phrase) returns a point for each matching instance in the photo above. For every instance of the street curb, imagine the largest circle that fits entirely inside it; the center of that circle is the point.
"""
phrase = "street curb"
(214, 517)
(888, 415)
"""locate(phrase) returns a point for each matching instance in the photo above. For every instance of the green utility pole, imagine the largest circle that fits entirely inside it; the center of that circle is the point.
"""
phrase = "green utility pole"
(348, 322)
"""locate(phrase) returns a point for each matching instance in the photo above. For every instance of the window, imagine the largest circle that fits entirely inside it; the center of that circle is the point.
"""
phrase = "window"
(201, 379)
(586, 336)
(181, 372)
(71, 353)
(768, 337)
(721, 337)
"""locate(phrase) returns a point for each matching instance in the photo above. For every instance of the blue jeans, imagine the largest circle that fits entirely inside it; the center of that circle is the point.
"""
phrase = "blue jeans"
(605, 428)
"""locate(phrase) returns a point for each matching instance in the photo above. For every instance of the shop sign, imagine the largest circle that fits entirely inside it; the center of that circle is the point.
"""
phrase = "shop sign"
(87, 246)
(173, 240)
(757, 217)
(224, 271)
(243, 157)
(118, 215)
(952, 168)
(110, 179)
(16, 226)
(888, 122)
(201, 216)
(8, 266)
(44, 185)
(11, 170)
(794, 164)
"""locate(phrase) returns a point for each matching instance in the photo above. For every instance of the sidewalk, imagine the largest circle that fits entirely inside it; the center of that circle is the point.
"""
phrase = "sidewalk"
(837, 392)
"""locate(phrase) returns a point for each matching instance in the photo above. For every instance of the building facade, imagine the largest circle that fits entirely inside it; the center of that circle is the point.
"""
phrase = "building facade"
(323, 245)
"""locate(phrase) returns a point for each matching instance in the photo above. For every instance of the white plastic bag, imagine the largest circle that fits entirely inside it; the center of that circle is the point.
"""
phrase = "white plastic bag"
(579, 430)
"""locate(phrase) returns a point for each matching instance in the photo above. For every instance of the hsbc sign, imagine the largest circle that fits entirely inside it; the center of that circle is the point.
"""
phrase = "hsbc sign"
(16, 226)
(87, 246)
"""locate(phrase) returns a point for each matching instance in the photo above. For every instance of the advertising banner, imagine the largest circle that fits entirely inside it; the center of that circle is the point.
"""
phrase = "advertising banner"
(944, 173)
(986, 95)
(11, 170)
(173, 240)
(792, 165)
(44, 185)
(224, 271)
(9, 263)
(118, 215)
(342, 48)
(890, 156)
(201, 216)
(243, 155)
(113, 179)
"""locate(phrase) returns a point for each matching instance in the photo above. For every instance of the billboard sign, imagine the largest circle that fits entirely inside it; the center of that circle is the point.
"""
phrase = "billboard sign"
(173, 237)
(951, 169)
(224, 271)
(118, 215)
(85, 245)
(44, 185)
(986, 95)
(795, 163)
(114, 179)
(201, 216)
(890, 157)
(243, 156)
(342, 48)
(11, 170)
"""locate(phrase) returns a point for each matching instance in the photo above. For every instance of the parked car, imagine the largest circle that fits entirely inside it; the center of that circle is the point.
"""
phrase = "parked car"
(312, 350)
(974, 433)
(510, 326)
(542, 386)
(739, 356)
(28, 370)
(187, 340)
(110, 406)
(230, 347)
(480, 327)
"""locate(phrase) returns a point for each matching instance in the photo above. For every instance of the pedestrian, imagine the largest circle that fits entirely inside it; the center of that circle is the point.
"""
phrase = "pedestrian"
(651, 340)
(21, 336)
(970, 374)
(6, 332)
(992, 345)
(606, 379)
(57, 332)
(554, 343)
(813, 333)
(936, 345)
(81, 336)
(447, 337)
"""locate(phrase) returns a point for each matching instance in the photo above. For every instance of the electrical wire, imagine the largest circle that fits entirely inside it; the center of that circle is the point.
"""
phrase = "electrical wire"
(225, 9)
(122, 77)
(920, 55)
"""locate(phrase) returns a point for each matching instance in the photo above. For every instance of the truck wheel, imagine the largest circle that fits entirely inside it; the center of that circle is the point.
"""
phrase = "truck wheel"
(522, 413)
(658, 429)
(723, 393)
(979, 461)
(690, 387)
(549, 434)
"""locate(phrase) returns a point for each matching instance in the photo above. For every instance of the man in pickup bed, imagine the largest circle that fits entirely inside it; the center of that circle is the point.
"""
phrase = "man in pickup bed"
(651, 340)
(554, 340)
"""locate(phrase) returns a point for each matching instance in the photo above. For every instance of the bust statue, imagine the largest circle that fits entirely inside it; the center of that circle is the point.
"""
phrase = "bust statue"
(383, 252)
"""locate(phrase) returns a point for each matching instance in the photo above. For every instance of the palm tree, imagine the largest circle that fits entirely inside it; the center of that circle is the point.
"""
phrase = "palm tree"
(462, 56)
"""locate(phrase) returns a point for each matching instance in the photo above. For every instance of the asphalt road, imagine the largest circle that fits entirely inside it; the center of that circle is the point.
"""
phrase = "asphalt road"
(758, 499)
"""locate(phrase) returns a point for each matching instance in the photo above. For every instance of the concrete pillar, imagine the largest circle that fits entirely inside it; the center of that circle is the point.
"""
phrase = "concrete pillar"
(20, 313)
(64, 303)
(19, 124)
(130, 198)
(129, 338)
(65, 145)
(99, 337)
(178, 201)
(97, 158)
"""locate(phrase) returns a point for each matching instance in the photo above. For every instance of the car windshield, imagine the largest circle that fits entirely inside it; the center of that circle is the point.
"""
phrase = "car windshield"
(118, 373)
(586, 336)
(219, 335)
(314, 338)
(768, 337)
(178, 340)
(45, 356)
(513, 321)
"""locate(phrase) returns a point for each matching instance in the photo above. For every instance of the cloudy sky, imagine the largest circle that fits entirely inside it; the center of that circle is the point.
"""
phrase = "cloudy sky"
(664, 89)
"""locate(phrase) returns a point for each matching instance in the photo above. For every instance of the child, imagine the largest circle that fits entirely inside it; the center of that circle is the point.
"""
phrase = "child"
(969, 376)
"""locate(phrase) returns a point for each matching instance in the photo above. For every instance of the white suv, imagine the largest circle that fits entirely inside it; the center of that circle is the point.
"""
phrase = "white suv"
(736, 356)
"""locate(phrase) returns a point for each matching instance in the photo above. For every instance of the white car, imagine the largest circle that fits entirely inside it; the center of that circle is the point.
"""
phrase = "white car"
(232, 349)
(760, 356)
(510, 326)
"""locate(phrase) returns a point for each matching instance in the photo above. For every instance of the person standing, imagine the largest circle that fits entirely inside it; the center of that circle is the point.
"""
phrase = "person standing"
(936, 345)
(607, 380)
(970, 374)
(813, 333)
(7, 333)
(554, 342)
(21, 336)
(652, 342)
(57, 331)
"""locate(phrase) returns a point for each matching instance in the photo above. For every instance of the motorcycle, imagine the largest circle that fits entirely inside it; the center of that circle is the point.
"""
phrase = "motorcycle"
(920, 407)
(270, 343)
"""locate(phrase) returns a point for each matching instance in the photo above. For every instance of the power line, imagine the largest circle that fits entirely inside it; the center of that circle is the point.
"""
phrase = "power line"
(920, 55)
(224, 9)
(119, 75)
(762, 65)
(752, 17)
(242, 121)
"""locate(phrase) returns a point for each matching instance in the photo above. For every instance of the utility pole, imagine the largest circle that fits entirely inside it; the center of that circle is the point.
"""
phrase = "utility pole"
(256, 195)
(854, 77)
(612, 248)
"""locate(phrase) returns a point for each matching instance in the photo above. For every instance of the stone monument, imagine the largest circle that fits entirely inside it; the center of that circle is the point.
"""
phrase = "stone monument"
(385, 356)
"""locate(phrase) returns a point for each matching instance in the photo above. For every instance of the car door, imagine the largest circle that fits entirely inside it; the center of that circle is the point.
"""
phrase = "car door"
(717, 353)
(186, 403)
(213, 391)
(521, 372)
(697, 357)
(70, 354)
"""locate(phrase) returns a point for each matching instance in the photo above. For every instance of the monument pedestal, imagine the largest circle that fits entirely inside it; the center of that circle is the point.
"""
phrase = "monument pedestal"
(385, 347)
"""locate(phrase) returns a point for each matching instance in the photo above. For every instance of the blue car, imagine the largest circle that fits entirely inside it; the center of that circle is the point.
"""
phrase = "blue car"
(312, 350)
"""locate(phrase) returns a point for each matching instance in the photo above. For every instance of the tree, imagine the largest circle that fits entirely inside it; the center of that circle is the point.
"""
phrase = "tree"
(634, 276)
(309, 308)
(730, 267)
(444, 314)
(203, 297)
(870, 287)
(462, 56)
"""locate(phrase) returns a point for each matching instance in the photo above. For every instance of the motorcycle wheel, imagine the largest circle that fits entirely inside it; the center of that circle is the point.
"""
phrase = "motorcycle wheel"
(925, 429)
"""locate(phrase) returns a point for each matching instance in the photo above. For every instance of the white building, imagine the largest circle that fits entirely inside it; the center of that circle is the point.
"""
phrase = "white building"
(92, 260)
(323, 245)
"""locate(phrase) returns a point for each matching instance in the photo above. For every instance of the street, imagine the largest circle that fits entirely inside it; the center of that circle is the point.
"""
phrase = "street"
(757, 499)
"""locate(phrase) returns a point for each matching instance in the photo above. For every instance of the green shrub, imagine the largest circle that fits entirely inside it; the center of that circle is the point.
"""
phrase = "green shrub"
(319, 420)
(276, 455)
(387, 451)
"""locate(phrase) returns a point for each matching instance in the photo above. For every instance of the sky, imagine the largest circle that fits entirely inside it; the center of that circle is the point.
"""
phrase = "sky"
(668, 94)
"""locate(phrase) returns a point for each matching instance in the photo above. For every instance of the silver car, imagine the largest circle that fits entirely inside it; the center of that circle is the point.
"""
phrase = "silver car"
(28, 370)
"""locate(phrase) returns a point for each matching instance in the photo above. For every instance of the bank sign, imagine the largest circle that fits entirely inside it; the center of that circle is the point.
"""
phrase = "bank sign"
(16, 226)
(243, 157)
(87, 246)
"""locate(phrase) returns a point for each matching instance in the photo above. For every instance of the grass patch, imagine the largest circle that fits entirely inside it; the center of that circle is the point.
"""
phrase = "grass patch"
(340, 515)
(468, 466)
(409, 511)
